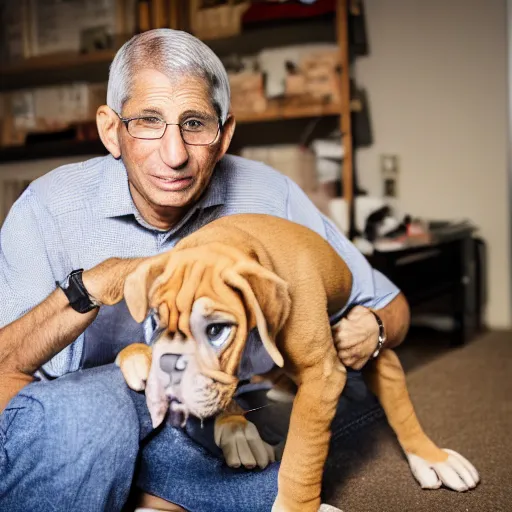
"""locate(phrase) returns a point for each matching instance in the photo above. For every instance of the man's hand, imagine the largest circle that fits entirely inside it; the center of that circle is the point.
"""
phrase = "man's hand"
(105, 282)
(356, 337)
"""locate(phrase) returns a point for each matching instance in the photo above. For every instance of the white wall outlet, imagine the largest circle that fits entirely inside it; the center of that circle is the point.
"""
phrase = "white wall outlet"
(389, 166)
(390, 188)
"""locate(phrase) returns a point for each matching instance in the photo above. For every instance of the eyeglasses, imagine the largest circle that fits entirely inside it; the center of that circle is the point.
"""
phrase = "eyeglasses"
(195, 131)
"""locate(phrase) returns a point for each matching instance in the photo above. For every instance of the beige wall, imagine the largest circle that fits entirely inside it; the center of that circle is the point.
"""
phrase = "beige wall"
(436, 80)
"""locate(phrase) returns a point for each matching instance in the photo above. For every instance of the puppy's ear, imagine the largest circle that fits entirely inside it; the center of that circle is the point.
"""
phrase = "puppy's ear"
(138, 284)
(267, 298)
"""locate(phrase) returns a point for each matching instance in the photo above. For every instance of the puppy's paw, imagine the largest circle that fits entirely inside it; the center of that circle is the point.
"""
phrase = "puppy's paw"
(328, 508)
(241, 443)
(135, 362)
(279, 507)
(456, 472)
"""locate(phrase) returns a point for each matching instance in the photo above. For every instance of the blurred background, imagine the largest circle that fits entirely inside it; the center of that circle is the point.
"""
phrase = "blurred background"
(391, 115)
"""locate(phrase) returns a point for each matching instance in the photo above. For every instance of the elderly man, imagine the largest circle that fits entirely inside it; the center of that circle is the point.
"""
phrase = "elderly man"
(77, 438)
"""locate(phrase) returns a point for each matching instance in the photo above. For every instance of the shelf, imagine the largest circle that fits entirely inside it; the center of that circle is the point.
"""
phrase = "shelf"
(54, 149)
(275, 112)
(56, 69)
(57, 61)
(64, 148)
(273, 35)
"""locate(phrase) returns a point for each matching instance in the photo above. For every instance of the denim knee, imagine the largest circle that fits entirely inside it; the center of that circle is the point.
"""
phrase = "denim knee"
(71, 443)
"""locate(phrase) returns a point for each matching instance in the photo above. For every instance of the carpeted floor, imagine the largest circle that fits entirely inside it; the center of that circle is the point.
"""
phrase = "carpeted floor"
(463, 399)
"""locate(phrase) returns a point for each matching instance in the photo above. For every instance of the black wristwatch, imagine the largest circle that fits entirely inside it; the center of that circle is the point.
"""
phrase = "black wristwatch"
(382, 335)
(79, 298)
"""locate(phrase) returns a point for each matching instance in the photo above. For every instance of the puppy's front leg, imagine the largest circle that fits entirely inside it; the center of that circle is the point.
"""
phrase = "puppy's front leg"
(240, 440)
(307, 444)
(135, 363)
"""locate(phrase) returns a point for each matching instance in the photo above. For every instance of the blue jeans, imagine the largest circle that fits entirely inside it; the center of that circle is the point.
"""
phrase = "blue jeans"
(79, 442)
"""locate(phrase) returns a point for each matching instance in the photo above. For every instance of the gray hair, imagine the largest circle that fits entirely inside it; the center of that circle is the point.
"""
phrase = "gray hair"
(169, 51)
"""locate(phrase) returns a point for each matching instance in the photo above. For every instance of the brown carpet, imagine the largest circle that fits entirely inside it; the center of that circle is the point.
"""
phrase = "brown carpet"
(463, 399)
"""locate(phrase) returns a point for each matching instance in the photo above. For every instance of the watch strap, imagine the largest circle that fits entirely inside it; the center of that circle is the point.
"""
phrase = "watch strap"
(382, 335)
(78, 296)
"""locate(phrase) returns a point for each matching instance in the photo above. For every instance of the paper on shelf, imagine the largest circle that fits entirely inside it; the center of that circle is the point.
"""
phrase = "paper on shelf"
(324, 148)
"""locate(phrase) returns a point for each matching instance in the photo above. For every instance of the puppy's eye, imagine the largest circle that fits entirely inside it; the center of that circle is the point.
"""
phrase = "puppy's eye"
(218, 334)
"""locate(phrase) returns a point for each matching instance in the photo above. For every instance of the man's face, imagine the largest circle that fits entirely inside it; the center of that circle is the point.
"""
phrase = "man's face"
(166, 175)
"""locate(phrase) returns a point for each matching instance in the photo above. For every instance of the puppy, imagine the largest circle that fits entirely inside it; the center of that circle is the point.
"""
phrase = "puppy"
(256, 271)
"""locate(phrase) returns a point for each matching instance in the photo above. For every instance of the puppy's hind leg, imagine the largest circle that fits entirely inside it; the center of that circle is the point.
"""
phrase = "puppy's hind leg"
(430, 465)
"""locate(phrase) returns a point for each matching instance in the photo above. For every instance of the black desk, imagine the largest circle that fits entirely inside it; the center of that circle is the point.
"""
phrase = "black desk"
(453, 268)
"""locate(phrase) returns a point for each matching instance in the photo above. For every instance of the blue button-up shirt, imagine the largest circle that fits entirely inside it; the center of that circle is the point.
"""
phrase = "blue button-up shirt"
(78, 215)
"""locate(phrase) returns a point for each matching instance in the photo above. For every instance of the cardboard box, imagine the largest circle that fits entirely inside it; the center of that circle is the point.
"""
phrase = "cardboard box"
(246, 81)
(217, 21)
(248, 103)
(325, 86)
(295, 85)
(327, 57)
(247, 92)
(292, 160)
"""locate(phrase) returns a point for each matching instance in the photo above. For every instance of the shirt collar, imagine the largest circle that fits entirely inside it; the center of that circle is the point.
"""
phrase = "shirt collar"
(115, 199)
(216, 192)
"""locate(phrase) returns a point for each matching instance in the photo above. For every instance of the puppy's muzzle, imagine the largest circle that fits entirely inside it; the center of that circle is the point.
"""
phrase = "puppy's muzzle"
(170, 361)
(174, 365)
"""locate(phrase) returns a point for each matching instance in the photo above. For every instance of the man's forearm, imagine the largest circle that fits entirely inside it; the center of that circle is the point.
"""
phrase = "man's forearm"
(32, 340)
(396, 319)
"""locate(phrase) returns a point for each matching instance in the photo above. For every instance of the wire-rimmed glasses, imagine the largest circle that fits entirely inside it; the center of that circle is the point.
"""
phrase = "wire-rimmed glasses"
(196, 131)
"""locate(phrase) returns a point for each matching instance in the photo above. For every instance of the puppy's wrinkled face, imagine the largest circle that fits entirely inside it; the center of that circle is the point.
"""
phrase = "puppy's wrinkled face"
(208, 298)
(196, 374)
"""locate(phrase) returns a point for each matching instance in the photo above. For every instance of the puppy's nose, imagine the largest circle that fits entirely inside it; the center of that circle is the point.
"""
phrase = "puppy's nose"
(172, 363)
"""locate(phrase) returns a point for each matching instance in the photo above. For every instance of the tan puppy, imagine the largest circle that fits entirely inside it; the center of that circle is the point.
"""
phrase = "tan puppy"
(246, 271)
